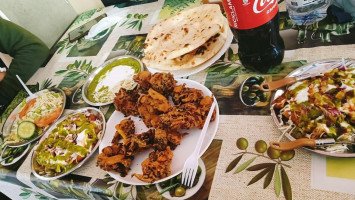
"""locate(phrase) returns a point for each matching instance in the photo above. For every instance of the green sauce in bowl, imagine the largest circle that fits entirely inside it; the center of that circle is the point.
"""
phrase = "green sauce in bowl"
(123, 62)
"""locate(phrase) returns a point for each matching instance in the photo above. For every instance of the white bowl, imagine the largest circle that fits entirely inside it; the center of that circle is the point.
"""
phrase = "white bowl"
(191, 191)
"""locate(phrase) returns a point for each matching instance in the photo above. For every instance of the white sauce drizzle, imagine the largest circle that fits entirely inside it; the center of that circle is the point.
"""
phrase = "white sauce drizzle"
(302, 95)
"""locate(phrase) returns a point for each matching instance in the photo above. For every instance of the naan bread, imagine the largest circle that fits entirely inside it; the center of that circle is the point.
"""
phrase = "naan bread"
(192, 58)
(183, 32)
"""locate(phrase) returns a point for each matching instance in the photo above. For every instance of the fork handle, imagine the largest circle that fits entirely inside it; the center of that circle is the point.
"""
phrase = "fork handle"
(204, 129)
(24, 86)
(285, 146)
(273, 85)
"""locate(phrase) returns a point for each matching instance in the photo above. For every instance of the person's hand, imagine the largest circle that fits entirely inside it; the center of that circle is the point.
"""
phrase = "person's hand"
(2, 75)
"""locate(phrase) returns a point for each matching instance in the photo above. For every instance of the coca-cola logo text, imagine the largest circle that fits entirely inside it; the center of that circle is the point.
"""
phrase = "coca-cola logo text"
(233, 13)
(248, 14)
(261, 5)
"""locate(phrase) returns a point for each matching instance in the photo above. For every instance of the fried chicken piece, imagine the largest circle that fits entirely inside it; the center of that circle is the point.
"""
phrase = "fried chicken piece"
(174, 139)
(113, 150)
(160, 140)
(180, 117)
(125, 102)
(143, 80)
(118, 157)
(136, 143)
(112, 158)
(156, 167)
(183, 94)
(163, 83)
(167, 138)
(124, 129)
(187, 116)
(150, 106)
(119, 163)
(205, 105)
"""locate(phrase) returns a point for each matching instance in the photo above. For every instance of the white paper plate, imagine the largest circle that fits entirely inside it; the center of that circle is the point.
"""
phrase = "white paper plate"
(181, 153)
(188, 72)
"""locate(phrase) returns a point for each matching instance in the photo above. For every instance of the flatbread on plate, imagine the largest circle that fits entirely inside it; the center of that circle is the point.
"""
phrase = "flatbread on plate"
(193, 58)
(183, 32)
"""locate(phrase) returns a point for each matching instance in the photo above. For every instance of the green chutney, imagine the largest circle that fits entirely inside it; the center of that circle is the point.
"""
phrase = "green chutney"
(99, 76)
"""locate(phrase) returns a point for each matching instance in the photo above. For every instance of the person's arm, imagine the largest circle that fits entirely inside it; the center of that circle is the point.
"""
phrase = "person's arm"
(2, 75)
(28, 52)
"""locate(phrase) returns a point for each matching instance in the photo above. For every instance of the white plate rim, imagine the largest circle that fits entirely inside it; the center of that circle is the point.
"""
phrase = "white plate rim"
(136, 181)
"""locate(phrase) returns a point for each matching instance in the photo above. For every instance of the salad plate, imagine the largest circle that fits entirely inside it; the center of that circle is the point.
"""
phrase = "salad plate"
(68, 143)
(325, 100)
(32, 117)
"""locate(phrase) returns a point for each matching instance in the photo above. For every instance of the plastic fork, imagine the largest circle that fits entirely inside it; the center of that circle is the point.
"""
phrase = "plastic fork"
(32, 96)
(191, 164)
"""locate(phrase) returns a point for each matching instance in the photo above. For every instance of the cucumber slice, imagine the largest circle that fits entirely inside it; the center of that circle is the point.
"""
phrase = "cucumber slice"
(26, 129)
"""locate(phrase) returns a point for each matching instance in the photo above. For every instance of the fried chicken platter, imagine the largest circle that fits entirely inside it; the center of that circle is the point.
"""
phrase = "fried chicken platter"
(155, 128)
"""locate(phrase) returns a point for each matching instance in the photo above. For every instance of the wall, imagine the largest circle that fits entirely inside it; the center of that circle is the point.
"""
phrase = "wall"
(47, 19)
(81, 6)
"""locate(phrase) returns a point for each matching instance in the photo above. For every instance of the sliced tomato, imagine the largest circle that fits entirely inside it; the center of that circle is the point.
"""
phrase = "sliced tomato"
(27, 107)
(49, 118)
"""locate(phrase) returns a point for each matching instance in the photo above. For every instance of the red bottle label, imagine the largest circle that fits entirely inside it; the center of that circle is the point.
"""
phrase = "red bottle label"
(248, 14)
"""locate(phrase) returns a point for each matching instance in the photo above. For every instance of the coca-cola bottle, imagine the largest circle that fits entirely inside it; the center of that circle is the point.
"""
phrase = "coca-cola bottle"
(255, 25)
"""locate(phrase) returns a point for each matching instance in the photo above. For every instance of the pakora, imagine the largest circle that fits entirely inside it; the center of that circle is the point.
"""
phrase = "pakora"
(163, 83)
(136, 143)
(150, 106)
(118, 157)
(157, 166)
(187, 116)
(124, 129)
(174, 139)
(182, 94)
(112, 158)
(143, 80)
(125, 102)
(160, 139)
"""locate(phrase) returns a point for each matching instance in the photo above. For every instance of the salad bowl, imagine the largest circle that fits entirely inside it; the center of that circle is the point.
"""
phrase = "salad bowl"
(11, 125)
(339, 148)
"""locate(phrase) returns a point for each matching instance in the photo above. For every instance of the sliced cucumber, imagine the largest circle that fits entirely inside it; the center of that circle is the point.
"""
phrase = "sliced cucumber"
(26, 130)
